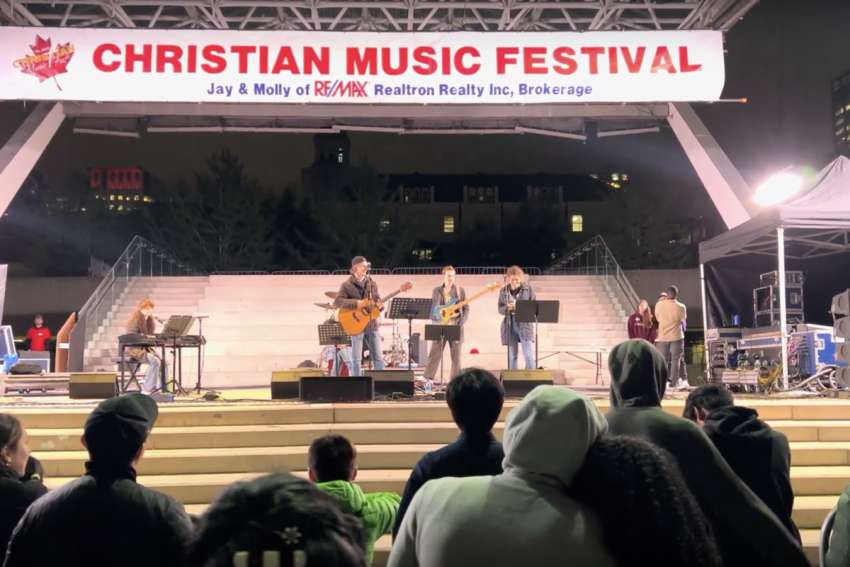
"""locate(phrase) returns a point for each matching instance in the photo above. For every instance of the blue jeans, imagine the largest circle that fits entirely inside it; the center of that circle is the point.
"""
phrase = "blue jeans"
(527, 353)
(373, 342)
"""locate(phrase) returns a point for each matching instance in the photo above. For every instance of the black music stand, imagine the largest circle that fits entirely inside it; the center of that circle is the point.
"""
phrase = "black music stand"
(332, 334)
(537, 311)
(176, 327)
(410, 308)
(442, 333)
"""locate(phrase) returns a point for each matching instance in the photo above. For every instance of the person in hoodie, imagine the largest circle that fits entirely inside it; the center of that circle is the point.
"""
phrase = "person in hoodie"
(759, 455)
(523, 516)
(475, 398)
(333, 467)
(747, 532)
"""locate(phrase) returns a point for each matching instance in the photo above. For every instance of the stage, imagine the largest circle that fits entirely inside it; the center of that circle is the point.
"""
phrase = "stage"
(198, 447)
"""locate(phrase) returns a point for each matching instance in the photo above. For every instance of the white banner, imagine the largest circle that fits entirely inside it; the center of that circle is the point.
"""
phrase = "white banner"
(333, 67)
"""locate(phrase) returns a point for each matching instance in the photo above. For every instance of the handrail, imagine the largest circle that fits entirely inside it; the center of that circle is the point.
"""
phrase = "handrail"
(140, 258)
(593, 257)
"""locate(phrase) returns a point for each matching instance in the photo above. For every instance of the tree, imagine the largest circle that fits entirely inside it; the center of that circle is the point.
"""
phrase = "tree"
(219, 222)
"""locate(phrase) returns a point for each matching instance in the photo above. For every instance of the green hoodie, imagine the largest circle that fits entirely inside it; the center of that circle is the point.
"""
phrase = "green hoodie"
(376, 510)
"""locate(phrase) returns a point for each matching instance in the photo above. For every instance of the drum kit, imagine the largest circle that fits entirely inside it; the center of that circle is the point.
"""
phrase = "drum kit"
(395, 357)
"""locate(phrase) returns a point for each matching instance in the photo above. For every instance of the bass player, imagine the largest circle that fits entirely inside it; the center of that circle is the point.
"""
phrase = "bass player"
(445, 293)
(357, 292)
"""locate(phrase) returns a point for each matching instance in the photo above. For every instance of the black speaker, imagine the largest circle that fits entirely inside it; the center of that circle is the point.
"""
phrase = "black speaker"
(517, 383)
(336, 389)
(91, 385)
(417, 348)
(389, 382)
(285, 383)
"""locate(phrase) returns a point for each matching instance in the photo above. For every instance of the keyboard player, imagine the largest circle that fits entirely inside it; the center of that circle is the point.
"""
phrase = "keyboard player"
(142, 322)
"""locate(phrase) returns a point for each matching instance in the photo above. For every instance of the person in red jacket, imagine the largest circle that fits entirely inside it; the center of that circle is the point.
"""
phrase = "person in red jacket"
(38, 334)
(640, 324)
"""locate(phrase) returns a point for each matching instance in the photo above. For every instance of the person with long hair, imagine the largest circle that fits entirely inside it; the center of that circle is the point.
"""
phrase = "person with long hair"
(641, 323)
(513, 332)
(142, 322)
(20, 475)
(648, 514)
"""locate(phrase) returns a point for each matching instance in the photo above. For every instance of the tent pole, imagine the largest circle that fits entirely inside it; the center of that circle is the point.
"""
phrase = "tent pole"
(783, 308)
(705, 358)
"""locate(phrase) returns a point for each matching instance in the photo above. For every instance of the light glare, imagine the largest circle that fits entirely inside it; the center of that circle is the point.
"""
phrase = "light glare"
(778, 188)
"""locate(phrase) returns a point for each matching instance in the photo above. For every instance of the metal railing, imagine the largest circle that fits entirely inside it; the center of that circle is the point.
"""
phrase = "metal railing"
(595, 258)
(141, 258)
(401, 271)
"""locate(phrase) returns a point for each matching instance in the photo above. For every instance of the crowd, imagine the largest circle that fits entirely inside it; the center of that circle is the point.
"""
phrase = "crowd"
(566, 486)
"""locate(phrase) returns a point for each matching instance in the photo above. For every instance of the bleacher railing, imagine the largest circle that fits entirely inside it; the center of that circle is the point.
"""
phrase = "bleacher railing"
(595, 258)
(141, 258)
(401, 271)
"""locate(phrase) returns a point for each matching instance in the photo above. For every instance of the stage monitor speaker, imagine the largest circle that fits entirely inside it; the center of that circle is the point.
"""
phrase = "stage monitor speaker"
(417, 348)
(91, 385)
(285, 383)
(517, 383)
(324, 389)
(391, 382)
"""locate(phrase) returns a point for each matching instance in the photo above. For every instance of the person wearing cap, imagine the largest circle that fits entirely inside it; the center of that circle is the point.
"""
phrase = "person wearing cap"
(105, 517)
(355, 293)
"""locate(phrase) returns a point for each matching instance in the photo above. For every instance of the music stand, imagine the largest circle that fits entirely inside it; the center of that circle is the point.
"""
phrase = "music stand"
(176, 327)
(442, 333)
(410, 308)
(332, 334)
(537, 311)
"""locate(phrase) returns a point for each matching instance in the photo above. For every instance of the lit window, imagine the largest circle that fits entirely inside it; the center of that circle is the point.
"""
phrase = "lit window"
(615, 185)
(577, 223)
(340, 156)
(147, 199)
(136, 198)
(83, 209)
(120, 207)
(112, 197)
(615, 177)
(120, 197)
(385, 224)
(111, 207)
(448, 224)
(624, 177)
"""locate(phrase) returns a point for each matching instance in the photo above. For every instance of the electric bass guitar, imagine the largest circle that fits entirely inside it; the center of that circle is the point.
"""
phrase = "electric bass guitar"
(444, 314)
(354, 320)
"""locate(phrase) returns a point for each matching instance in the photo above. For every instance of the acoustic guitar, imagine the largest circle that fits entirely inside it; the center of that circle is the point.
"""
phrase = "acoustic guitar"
(444, 314)
(355, 320)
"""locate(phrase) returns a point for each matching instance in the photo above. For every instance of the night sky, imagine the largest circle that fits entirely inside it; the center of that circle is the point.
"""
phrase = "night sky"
(782, 57)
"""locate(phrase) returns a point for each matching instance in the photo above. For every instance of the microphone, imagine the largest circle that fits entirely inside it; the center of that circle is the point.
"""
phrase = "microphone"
(158, 319)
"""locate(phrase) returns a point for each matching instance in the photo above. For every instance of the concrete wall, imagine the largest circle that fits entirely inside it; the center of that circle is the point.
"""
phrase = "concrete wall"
(649, 283)
(25, 296)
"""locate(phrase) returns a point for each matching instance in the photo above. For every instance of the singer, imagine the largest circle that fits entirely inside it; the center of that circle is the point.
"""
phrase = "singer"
(357, 292)
(142, 322)
(514, 332)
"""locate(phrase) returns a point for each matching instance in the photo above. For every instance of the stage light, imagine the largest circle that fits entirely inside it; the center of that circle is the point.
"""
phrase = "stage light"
(841, 303)
(777, 188)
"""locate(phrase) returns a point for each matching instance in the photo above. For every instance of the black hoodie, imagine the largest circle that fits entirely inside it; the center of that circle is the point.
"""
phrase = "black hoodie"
(758, 454)
(748, 533)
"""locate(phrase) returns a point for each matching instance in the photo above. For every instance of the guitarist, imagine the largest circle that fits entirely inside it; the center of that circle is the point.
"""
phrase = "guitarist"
(442, 295)
(512, 331)
(355, 293)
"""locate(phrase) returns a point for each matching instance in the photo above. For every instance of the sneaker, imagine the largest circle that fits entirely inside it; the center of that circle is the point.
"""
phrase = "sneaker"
(682, 385)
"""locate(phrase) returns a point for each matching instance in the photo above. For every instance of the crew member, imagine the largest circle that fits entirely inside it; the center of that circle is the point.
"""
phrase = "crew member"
(38, 334)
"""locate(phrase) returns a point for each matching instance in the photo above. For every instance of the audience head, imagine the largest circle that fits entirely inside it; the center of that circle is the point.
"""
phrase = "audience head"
(642, 307)
(475, 398)
(549, 432)
(648, 514)
(332, 457)
(638, 374)
(672, 292)
(277, 519)
(38, 320)
(115, 432)
(705, 399)
(14, 447)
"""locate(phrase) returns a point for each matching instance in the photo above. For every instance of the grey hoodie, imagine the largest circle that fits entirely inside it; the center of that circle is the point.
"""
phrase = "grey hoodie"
(523, 516)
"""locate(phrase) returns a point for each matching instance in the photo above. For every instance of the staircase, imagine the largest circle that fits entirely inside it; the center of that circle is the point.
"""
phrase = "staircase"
(261, 323)
(196, 450)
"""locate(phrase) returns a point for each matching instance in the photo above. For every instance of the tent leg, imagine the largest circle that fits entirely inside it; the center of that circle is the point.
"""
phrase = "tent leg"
(783, 308)
(706, 361)
(725, 185)
(25, 147)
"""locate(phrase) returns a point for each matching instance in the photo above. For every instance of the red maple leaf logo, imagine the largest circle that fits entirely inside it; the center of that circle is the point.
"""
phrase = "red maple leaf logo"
(44, 63)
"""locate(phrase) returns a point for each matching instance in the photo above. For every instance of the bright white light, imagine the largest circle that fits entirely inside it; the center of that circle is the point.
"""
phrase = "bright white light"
(778, 188)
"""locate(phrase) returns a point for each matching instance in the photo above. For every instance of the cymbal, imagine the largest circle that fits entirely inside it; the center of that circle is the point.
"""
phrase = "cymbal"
(324, 305)
(331, 294)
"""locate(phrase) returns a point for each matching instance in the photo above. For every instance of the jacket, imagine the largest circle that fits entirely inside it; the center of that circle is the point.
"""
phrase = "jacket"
(526, 330)
(351, 291)
(457, 293)
(102, 518)
(466, 456)
(16, 496)
(140, 326)
(523, 516)
(377, 510)
(670, 314)
(759, 455)
(747, 532)
(638, 330)
(838, 552)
